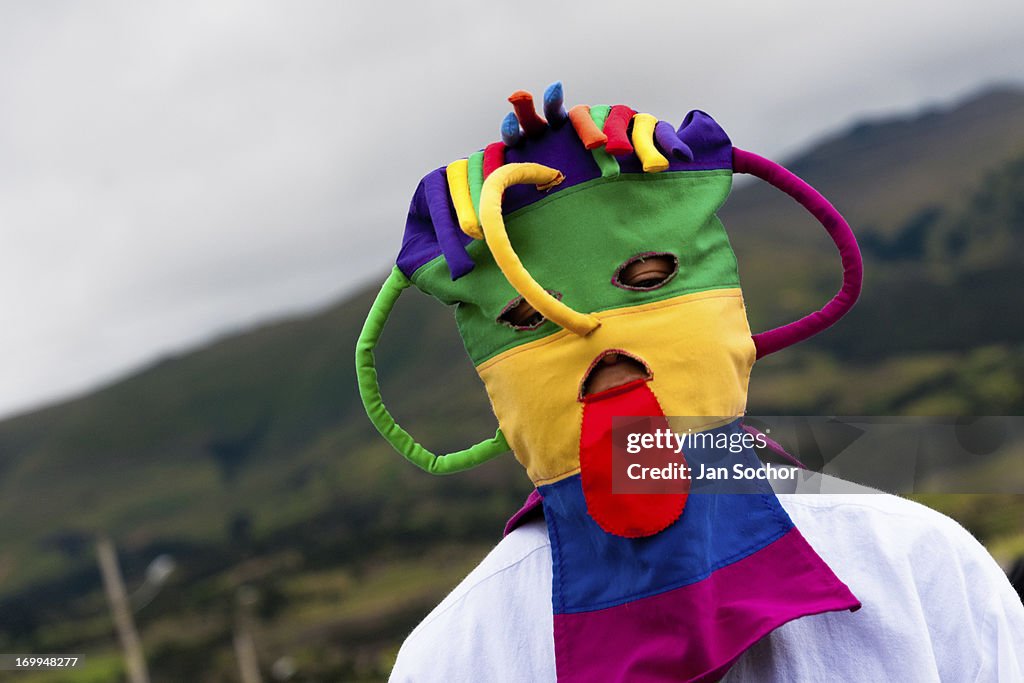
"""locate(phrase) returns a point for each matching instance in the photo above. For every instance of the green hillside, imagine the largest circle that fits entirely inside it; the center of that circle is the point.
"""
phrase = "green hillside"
(250, 460)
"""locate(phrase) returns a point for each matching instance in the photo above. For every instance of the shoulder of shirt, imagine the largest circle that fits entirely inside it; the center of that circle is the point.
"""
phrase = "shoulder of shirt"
(526, 543)
(907, 525)
(819, 492)
(490, 622)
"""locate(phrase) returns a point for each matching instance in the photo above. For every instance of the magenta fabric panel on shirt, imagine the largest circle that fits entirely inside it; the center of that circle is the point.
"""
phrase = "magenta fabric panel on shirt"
(696, 632)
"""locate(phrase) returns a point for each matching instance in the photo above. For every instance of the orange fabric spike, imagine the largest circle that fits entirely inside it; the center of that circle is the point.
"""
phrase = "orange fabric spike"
(531, 122)
(588, 131)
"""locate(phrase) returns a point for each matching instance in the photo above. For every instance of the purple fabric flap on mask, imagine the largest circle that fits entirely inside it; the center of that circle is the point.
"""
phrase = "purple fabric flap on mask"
(431, 229)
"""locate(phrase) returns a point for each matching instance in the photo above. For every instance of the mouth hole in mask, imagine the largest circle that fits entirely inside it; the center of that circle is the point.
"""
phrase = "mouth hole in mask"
(627, 368)
(646, 271)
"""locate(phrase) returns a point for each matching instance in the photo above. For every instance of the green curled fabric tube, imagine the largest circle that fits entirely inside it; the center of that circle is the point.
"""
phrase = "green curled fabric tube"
(369, 391)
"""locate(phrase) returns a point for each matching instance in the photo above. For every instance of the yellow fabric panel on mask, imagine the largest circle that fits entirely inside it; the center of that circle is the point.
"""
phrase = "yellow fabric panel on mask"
(697, 346)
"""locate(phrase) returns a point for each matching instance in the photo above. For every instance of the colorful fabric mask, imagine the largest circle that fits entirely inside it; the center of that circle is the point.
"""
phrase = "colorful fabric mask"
(590, 238)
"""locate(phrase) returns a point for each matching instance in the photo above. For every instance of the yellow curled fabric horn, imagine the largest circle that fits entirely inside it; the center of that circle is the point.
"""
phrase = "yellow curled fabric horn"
(497, 240)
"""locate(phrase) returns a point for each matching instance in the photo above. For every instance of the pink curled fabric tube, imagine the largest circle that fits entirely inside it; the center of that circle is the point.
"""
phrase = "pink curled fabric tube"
(841, 234)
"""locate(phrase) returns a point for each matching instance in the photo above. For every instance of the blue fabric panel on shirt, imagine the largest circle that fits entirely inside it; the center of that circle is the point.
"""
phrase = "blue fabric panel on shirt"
(593, 569)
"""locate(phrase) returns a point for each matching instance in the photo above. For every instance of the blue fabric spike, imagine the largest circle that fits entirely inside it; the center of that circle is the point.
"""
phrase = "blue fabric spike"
(554, 112)
(510, 132)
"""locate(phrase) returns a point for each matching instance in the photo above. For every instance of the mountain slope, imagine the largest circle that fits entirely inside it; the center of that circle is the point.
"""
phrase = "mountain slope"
(882, 173)
(264, 425)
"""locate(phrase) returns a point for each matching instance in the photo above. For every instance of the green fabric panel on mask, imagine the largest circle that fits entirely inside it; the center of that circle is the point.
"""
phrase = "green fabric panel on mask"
(573, 241)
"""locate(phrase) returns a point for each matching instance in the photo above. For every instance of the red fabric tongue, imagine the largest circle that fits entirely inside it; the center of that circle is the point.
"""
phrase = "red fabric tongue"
(631, 515)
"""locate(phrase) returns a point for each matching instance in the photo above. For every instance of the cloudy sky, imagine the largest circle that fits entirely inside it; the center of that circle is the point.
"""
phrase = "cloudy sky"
(170, 171)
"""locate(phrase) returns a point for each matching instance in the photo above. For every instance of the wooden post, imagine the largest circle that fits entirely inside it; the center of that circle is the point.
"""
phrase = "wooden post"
(113, 584)
(245, 651)
(245, 646)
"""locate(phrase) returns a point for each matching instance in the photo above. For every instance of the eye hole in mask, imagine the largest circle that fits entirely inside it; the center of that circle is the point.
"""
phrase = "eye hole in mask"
(520, 315)
(647, 271)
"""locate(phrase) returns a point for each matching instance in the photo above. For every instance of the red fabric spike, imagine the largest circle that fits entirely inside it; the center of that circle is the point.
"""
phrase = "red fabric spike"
(615, 127)
(531, 122)
(494, 157)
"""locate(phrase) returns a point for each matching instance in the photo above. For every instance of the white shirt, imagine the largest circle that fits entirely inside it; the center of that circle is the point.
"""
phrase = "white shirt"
(936, 606)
